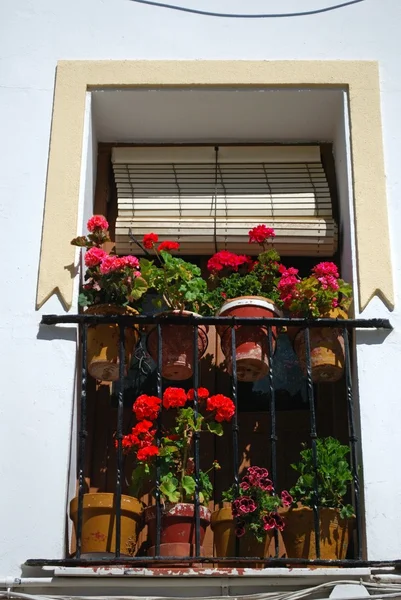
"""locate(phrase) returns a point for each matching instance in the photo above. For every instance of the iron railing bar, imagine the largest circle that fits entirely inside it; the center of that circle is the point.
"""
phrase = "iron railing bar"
(268, 562)
(353, 442)
(313, 436)
(196, 442)
(228, 321)
(158, 439)
(234, 422)
(273, 434)
(120, 416)
(82, 435)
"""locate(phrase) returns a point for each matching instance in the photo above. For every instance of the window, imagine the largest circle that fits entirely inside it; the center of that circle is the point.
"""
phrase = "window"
(274, 414)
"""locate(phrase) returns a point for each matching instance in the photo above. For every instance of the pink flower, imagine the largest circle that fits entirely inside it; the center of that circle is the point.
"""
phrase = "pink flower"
(240, 529)
(94, 256)
(334, 303)
(265, 484)
(168, 246)
(286, 498)
(325, 268)
(97, 222)
(130, 261)
(243, 506)
(278, 521)
(149, 240)
(268, 523)
(261, 234)
(110, 263)
(245, 484)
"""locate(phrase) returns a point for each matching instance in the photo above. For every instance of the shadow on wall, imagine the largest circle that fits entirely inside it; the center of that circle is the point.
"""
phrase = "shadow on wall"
(55, 332)
(372, 337)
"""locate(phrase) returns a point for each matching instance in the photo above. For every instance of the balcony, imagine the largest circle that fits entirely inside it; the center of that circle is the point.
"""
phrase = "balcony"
(204, 556)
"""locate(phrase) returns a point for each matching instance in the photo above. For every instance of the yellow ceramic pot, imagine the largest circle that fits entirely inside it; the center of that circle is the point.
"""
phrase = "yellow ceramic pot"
(223, 526)
(103, 343)
(99, 523)
(326, 350)
(299, 533)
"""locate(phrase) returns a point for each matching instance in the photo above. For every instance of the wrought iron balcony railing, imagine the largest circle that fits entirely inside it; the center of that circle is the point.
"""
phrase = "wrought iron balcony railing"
(345, 326)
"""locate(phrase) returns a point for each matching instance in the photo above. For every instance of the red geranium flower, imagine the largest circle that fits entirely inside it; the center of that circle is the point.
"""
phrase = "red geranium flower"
(203, 394)
(142, 427)
(224, 407)
(224, 258)
(146, 407)
(97, 222)
(149, 239)
(149, 452)
(261, 234)
(174, 397)
(167, 246)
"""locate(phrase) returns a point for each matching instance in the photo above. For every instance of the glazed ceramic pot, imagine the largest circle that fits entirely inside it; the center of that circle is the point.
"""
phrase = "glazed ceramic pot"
(251, 342)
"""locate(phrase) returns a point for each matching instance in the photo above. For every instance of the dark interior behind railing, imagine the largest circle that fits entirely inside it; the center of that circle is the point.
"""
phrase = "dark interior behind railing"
(346, 326)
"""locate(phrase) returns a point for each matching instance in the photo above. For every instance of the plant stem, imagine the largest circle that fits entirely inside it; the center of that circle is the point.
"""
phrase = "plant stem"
(188, 438)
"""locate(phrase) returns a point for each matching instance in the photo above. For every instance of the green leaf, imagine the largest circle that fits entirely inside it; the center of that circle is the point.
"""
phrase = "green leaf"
(167, 450)
(188, 485)
(168, 487)
(82, 300)
(216, 428)
(139, 288)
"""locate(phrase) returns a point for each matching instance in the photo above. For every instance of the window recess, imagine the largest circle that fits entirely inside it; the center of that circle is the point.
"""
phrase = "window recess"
(209, 197)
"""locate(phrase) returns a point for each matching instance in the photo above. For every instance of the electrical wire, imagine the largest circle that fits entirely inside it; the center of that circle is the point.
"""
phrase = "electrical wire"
(207, 13)
(394, 591)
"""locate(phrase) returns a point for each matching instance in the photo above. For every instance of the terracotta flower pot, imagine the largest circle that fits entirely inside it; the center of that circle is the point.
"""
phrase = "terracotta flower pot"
(299, 534)
(223, 526)
(177, 536)
(252, 344)
(326, 349)
(104, 343)
(99, 523)
(178, 347)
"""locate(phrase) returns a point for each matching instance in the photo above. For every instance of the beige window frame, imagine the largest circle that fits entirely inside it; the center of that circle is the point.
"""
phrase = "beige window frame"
(76, 78)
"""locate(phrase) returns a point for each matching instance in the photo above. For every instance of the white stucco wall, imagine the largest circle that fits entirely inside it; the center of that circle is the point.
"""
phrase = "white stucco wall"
(38, 370)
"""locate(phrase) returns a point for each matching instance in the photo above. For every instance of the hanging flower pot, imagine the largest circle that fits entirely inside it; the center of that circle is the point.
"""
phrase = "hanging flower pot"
(252, 342)
(224, 540)
(99, 523)
(104, 343)
(326, 350)
(177, 536)
(178, 347)
(299, 533)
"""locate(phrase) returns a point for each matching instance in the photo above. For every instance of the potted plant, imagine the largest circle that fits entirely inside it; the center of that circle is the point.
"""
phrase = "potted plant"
(252, 516)
(182, 291)
(112, 285)
(99, 523)
(241, 287)
(174, 455)
(322, 294)
(336, 518)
